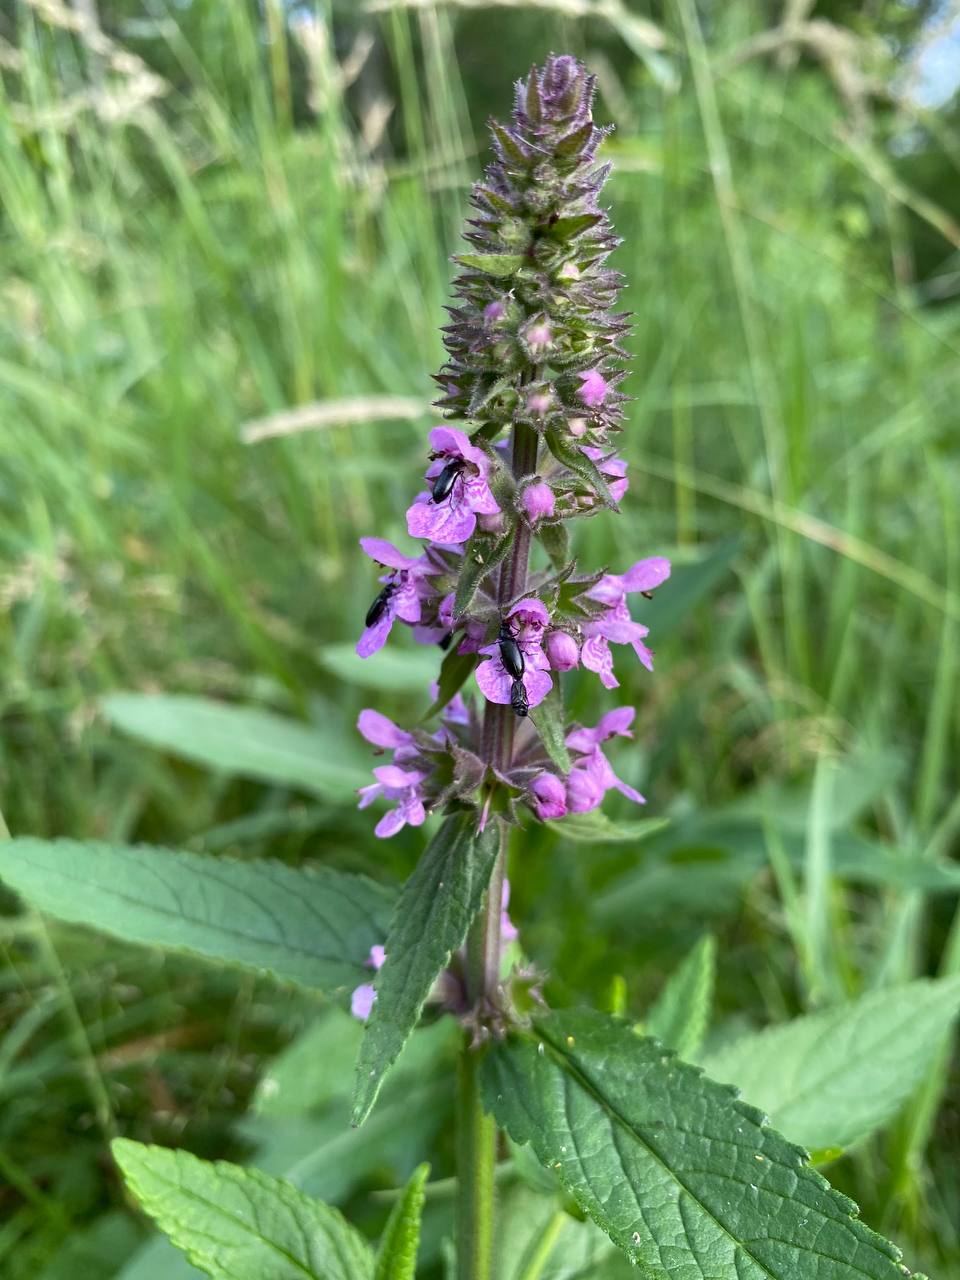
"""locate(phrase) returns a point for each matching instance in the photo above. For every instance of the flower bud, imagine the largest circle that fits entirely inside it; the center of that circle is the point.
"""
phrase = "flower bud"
(494, 311)
(538, 501)
(549, 796)
(594, 388)
(362, 1001)
(538, 337)
(539, 403)
(584, 791)
(578, 426)
(563, 652)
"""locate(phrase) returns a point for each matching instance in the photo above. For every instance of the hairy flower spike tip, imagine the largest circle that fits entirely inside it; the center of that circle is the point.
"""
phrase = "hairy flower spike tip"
(530, 394)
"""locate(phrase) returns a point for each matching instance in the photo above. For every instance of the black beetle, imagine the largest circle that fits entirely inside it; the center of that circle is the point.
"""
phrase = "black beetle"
(377, 609)
(511, 655)
(443, 484)
(518, 699)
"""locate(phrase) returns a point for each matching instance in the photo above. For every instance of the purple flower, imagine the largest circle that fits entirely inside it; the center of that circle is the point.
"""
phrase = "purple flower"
(615, 623)
(495, 681)
(563, 652)
(592, 776)
(392, 781)
(614, 470)
(549, 796)
(363, 997)
(494, 311)
(538, 336)
(382, 732)
(539, 403)
(538, 501)
(403, 786)
(593, 388)
(453, 519)
(443, 626)
(401, 595)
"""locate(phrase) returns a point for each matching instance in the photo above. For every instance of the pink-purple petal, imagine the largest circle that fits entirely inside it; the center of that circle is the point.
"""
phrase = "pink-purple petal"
(494, 682)
(596, 656)
(386, 553)
(389, 824)
(374, 638)
(646, 574)
(381, 731)
(362, 1001)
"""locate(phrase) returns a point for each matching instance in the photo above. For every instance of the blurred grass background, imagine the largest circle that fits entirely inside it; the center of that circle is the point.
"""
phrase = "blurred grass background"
(218, 212)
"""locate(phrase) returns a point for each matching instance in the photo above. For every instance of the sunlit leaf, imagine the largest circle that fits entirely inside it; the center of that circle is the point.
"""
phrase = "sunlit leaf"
(240, 1224)
(314, 927)
(685, 1178)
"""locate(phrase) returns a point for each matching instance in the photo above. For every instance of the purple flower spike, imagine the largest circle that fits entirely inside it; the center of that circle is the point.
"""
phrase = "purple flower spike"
(593, 388)
(529, 618)
(404, 585)
(536, 354)
(454, 518)
(615, 623)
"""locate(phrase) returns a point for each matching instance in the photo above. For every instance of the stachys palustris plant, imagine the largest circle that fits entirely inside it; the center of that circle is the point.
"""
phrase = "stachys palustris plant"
(530, 393)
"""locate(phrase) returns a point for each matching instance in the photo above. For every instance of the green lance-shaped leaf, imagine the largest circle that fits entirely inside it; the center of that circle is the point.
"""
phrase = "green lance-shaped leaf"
(685, 1178)
(430, 921)
(481, 556)
(312, 927)
(575, 460)
(680, 1014)
(491, 264)
(549, 721)
(556, 543)
(241, 1224)
(831, 1078)
(397, 1255)
(596, 828)
(243, 740)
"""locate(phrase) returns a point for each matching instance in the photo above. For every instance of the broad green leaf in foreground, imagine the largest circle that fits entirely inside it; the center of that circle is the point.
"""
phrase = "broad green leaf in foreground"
(683, 1176)
(680, 1014)
(240, 1224)
(830, 1078)
(397, 1255)
(312, 927)
(244, 740)
(430, 921)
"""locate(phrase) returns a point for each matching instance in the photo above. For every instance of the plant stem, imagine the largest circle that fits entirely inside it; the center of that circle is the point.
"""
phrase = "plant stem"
(476, 1131)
